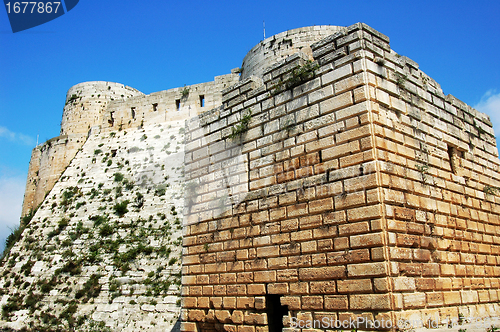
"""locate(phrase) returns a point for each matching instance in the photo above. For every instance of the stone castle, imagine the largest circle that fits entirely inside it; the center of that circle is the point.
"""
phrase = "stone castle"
(328, 179)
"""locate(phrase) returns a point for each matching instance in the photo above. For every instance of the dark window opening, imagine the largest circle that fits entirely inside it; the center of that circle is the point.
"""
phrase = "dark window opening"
(113, 153)
(132, 110)
(155, 107)
(202, 101)
(275, 312)
(111, 121)
(178, 104)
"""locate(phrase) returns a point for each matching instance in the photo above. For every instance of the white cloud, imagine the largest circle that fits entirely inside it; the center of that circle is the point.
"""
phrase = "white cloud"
(16, 137)
(490, 104)
(11, 201)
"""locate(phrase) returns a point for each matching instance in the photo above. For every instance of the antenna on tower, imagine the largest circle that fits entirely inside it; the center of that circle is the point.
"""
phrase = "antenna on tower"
(264, 25)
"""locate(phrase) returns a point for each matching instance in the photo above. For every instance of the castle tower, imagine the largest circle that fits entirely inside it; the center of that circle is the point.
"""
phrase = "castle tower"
(86, 103)
(348, 187)
(84, 108)
(282, 45)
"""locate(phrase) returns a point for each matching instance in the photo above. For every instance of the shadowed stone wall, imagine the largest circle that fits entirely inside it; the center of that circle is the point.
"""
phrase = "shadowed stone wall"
(359, 191)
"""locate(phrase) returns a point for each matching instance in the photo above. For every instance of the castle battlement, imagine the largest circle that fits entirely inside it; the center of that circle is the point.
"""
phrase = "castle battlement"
(112, 107)
(332, 181)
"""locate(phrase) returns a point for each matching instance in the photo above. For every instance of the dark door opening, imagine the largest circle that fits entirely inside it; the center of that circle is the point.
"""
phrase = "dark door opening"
(275, 312)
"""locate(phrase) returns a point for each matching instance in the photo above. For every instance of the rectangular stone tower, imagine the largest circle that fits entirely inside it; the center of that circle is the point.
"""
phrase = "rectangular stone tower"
(343, 187)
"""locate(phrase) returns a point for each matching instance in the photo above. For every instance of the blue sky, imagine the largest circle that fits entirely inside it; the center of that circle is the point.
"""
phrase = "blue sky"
(157, 45)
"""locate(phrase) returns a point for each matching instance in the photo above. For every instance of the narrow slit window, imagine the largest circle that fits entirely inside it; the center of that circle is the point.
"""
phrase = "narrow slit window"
(155, 107)
(202, 101)
(178, 104)
(132, 110)
(111, 120)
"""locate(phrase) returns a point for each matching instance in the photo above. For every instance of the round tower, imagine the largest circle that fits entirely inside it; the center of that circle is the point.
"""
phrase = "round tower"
(85, 103)
(282, 45)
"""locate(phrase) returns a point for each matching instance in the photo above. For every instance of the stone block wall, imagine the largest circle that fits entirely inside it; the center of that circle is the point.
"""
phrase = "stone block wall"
(48, 162)
(363, 191)
(438, 163)
(31, 182)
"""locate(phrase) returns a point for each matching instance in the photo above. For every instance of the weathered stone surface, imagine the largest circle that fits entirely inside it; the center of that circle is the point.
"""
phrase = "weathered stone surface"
(360, 194)
(124, 268)
(346, 186)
